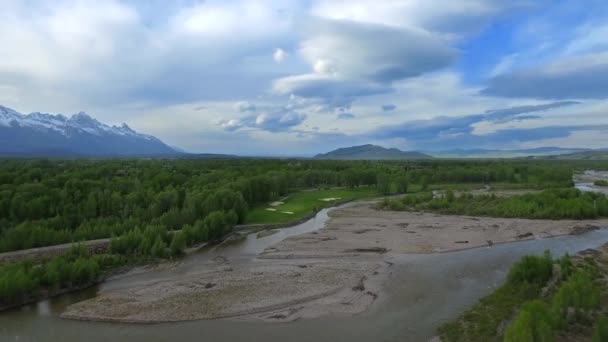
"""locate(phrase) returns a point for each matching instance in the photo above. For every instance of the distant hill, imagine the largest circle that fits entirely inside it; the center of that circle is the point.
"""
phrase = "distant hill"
(370, 152)
(490, 153)
(208, 156)
(585, 155)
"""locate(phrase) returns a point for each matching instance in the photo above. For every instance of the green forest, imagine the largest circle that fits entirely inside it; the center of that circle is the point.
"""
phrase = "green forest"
(47, 202)
(155, 209)
(549, 204)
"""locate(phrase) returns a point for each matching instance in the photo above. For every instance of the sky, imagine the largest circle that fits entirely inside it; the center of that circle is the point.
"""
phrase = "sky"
(254, 77)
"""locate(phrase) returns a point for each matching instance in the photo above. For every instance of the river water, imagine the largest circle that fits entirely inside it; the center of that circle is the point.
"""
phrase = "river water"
(422, 292)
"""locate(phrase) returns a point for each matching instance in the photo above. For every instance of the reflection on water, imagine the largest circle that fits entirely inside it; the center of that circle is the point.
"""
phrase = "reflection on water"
(423, 291)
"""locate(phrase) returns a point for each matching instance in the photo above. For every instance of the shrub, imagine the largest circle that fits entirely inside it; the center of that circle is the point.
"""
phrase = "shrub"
(578, 293)
(600, 331)
(178, 244)
(532, 269)
(535, 322)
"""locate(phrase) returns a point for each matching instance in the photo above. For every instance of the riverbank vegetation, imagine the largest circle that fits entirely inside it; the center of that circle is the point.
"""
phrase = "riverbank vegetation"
(542, 300)
(28, 280)
(549, 204)
(24, 281)
(601, 183)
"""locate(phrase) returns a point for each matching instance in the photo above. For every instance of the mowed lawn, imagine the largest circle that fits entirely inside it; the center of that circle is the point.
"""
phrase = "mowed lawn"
(303, 203)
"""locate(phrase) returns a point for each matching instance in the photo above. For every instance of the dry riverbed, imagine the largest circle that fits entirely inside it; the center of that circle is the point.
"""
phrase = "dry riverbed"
(337, 270)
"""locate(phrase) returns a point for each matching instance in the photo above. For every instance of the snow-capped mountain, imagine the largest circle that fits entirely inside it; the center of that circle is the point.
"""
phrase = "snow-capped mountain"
(40, 134)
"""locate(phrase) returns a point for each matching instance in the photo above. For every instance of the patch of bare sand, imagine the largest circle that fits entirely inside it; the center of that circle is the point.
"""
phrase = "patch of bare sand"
(273, 291)
(337, 270)
(355, 229)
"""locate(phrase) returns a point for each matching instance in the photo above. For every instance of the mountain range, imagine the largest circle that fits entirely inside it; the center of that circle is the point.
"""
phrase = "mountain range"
(600, 154)
(40, 134)
(495, 153)
(80, 135)
(370, 152)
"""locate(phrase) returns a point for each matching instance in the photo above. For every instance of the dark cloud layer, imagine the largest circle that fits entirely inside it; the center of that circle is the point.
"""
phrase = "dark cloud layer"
(440, 132)
(346, 116)
(582, 79)
(388, 107)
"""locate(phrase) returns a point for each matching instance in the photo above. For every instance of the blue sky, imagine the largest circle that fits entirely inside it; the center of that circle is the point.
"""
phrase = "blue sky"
(301, 77)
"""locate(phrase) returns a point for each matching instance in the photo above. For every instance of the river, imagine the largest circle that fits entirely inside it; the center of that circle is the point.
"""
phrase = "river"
(422, 292)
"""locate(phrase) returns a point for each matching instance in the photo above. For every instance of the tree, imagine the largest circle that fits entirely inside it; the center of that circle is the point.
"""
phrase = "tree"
(383, 183)
(600, 333)
(424, 183)
(449, 195)
(159, 248)
(178, 244)
(402, 184)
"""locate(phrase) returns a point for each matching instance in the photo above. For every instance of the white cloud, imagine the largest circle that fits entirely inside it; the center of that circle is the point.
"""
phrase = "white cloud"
(152, 63)
(279, 55)
(451, 18)
(233, 20)
(245, 106)
(350, 60)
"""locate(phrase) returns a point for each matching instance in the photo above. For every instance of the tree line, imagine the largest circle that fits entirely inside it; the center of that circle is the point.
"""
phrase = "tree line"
(550, 204)
(46, 202)
(27, 280)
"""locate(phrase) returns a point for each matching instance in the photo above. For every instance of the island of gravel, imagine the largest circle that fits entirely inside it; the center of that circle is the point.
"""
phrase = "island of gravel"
(338, 270)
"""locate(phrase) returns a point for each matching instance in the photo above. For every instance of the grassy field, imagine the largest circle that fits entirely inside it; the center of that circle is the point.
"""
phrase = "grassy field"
(303, 203)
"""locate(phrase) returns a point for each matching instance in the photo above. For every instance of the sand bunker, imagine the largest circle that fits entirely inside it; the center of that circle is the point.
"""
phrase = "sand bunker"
(271, 209)
(330, 199)
(287, 212)
(276, 204)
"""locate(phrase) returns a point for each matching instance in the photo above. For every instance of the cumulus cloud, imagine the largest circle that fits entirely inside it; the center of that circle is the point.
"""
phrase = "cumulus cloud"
(230, 125)
(279, 122)
(132, 60)
(245, 106)
(87, 53)
(266, 119)
(279, 55)
(582, 77)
